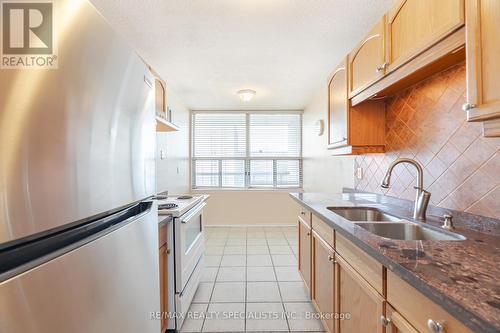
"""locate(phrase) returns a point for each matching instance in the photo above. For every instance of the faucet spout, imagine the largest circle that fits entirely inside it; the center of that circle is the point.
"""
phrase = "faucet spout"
(387, 180)
(422, 196)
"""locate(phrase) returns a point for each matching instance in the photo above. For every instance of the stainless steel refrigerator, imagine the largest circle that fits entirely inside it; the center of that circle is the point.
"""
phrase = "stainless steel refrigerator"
(78, 238)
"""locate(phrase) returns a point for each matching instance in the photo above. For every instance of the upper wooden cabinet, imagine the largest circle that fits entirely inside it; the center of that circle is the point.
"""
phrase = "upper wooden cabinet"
(338, 106)
(415, 25)
(367, 61)
(483, 65)
(353, 130)
(161, 107)
(160, 97)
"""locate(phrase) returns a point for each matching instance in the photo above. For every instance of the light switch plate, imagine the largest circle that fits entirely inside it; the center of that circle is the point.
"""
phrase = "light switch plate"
(359, 173)
(162, 154)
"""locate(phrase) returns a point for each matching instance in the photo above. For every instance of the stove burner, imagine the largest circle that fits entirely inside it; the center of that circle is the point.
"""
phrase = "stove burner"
(185, 197)
(160, 197)
(167, 206)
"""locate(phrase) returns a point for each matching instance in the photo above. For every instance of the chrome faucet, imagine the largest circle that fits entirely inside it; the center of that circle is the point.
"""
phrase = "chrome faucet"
(422, 196)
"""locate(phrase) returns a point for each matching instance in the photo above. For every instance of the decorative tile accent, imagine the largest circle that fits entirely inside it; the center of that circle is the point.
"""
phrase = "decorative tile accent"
(425, 122)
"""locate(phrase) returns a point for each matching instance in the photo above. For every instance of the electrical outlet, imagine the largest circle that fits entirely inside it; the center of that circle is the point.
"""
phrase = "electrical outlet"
(162, 154)
(359, 173)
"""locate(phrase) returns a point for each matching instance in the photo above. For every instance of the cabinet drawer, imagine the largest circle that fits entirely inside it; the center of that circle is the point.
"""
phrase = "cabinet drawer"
(369, 268)
(323, 230)
(162, 234)
(418, 309)
(397, 323)
(305, 216)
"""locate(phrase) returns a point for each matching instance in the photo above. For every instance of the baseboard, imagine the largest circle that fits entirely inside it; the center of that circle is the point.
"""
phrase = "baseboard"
(248, 225)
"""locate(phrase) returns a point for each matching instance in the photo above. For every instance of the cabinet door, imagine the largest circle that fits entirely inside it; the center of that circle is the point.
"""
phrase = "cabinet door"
(163, 287)
(395, 323)
(483, 67)
(323, 292)
(305, 252)
(338, 105)
(415, 25)
(367, 61)
(357, 298)
(160, 97)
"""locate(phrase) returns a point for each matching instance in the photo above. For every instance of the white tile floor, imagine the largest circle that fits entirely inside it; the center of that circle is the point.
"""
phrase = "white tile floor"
(251, 283)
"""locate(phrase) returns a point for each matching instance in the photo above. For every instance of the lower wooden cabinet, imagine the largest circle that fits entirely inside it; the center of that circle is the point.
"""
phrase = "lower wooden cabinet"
(356, 298)
(323, 275)
(354, 293)
(305, 252)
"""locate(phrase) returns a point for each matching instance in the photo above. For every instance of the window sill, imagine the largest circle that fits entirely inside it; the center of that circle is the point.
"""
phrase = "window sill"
(219, 189)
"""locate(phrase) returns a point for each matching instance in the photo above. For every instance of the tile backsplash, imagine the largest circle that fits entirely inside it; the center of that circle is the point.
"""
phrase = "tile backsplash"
(426, 122)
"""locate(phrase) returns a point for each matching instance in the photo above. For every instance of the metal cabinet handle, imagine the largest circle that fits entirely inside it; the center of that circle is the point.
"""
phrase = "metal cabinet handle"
(468, 106)
(384, 321)
(382, 67)
(308, 233)
(435, 326)
(331, 258)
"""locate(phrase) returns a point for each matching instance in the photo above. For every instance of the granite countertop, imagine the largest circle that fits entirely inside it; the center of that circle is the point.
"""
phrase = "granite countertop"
(461, 276)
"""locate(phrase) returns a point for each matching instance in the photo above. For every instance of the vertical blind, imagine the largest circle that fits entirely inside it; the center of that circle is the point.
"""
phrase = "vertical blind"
(246, 149)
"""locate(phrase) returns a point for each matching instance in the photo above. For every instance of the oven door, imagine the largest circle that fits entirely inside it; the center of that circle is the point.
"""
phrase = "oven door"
(188, 245)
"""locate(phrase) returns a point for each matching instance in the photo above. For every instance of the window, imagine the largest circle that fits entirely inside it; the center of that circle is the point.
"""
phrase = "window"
(247, 149)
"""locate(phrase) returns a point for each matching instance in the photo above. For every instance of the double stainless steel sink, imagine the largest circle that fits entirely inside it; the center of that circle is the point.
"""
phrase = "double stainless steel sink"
(389, 226)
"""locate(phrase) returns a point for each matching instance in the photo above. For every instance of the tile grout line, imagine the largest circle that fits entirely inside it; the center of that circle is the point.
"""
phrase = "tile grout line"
(246, 302)
(213, 288)
(279, 289)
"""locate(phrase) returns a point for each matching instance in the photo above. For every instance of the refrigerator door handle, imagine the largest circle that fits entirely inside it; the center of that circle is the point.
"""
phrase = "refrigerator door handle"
(20, 258)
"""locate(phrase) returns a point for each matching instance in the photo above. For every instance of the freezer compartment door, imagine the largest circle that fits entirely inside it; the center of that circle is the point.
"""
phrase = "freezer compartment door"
(77, 141)
(110, 284)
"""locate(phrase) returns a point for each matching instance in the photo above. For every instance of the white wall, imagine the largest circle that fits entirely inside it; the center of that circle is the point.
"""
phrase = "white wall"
(172, 172)
(322, 172)
(255, 207)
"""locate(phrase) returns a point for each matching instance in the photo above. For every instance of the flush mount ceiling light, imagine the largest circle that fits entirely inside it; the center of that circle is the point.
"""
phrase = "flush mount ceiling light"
(246, 94)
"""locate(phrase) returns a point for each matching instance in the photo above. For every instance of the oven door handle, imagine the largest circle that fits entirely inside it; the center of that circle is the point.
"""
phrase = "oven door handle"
(194, 213)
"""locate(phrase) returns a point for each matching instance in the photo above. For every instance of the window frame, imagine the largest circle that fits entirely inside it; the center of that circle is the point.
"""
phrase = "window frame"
(247, 158)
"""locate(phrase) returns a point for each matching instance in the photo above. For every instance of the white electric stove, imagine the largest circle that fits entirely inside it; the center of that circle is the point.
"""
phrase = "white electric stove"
(178, 205)
(186, 235)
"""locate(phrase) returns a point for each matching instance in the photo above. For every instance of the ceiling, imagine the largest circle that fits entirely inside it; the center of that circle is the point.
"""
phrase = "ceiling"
(206, 50)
